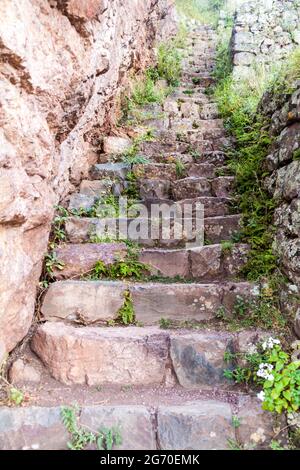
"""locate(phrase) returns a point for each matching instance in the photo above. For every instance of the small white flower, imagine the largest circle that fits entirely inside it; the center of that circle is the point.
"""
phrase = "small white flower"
(264, 371)
(252, 349)
(261, 395)
(270, 343)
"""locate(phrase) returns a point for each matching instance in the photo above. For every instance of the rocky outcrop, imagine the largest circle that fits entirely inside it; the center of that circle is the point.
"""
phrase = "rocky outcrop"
(62, 68)
(265, 31)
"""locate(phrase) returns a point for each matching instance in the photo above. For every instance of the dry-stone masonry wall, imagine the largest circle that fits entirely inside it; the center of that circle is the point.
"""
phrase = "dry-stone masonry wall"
(62, 65)
(265, 31)
(283, 183)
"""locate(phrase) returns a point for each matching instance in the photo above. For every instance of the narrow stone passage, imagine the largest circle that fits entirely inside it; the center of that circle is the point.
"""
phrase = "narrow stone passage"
(124, 374)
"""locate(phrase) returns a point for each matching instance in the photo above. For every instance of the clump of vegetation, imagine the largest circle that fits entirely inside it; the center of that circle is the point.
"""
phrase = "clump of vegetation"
(204, 11)
(146, 92)
(165, 323)
(121, 269)
(9, 395)
(58, 229)
(262, 311)
(180, 169)
(169, 63)
(271, 369)
(82, 437)
(127, 267)
(126, 314)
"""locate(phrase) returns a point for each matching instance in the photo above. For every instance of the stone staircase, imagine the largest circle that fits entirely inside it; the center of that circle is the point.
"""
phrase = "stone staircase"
(186, 289)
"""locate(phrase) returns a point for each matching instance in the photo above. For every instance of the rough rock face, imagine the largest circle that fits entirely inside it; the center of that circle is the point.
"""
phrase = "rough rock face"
(63, 64)
(265, 31)
(283, 181)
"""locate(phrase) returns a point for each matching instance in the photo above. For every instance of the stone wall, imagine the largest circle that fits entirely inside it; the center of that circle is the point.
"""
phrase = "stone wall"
(283, 183)
(62, 64)
(264, 31)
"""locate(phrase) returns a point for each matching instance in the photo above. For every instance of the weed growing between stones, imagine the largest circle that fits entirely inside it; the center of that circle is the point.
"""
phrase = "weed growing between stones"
(122, 269)
(126, 314)
(82, 436)
(263, 312)
(180, 169)
(169, 63)
(9, 395)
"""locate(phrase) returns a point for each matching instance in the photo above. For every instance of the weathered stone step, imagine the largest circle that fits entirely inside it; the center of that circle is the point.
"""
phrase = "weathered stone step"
(157, 148)
(199, 187)
(207, 263)
(209, 111)
(83, 229)
(169, 171)
(205, 80)
(112, 171)
(218, 229)
(213, 206)
(135, 356)
(96, 302)
(91, 191)
(209, 425)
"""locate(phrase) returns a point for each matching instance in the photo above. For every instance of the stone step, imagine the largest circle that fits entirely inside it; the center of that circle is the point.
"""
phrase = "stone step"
(97, 302)
(133, 356)
(213, 206)
(209, 111)
(156, 148)
(112, 171)
(213, 157)
(161, 425)
(219, 229)
(199, 187)
(156, 171)
(207, 263)
(84, 229)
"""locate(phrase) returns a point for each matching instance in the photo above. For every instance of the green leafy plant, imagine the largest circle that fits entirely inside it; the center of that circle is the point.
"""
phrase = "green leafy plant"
(126, 313)
(165, 323)
(196, 80)
(52, 262)
(108, 437)
(227, 246)
(146, 92)
(263, 310)
(121, 269)
(188, 92)
(236, 421)
(81, 436)
(180, 169)
(15, 396)
(58, 229)
(169, 63)
(270, 367)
